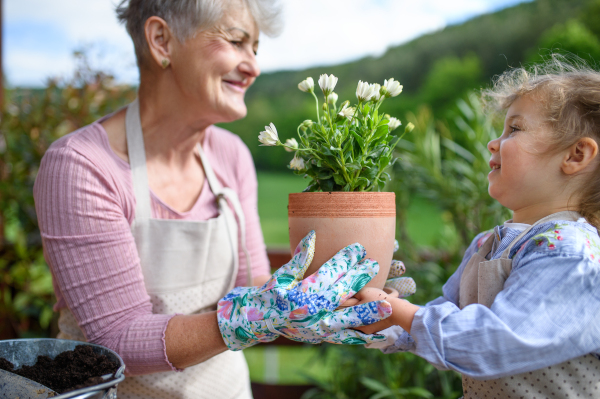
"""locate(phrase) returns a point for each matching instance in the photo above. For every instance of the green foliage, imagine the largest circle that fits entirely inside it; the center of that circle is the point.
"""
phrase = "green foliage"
(448, 163)
(590, 16)
(449, 78)
(571, 37)
(356, 372)
(347, 148)
(32, 120)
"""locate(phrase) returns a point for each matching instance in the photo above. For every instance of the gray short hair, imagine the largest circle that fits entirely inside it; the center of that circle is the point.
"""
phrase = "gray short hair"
(185, 17)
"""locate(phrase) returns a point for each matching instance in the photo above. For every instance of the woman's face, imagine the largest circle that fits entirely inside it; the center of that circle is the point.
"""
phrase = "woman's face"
(214, 68)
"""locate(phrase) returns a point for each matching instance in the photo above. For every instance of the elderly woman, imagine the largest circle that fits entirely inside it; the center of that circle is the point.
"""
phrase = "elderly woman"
(148, 217)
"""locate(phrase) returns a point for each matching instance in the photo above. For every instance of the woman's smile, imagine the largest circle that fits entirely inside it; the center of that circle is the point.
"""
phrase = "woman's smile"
(239, 86)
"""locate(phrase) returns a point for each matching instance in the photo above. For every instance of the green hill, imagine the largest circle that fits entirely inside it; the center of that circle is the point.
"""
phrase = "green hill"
(475, 50)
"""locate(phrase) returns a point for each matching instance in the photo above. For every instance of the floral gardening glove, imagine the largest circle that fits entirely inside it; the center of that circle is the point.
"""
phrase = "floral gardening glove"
(404, 285)
(303, 310)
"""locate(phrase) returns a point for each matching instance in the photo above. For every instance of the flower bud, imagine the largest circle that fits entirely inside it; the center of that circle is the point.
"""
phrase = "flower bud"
(332, 98)
(291, 145)
(297, 163)
(394, 123)
(375, 89)
(307, 85)
(409, 128)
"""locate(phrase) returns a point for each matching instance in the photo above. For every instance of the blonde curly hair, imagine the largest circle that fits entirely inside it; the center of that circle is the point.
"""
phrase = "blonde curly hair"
(568, 91)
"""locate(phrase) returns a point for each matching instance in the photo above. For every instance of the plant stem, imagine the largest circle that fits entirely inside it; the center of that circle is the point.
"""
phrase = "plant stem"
(317, 106)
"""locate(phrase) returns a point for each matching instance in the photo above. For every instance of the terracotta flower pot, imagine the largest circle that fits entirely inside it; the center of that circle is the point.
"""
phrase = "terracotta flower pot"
(343, 218)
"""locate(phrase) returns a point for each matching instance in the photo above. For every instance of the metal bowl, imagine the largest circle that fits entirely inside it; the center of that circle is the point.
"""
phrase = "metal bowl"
(24, 352)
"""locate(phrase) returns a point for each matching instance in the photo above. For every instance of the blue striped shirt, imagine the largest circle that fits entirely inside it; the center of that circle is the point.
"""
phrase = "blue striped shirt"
(547, 313)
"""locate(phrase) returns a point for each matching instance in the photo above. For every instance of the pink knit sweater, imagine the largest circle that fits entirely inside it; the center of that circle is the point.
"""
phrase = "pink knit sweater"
(85, 206)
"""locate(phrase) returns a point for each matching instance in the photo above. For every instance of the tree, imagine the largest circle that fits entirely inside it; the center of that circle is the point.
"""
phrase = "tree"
(450, 78)
(571, 38)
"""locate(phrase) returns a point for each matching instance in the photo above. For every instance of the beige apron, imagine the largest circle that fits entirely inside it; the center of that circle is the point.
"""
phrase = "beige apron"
(187, 266)
(481, 281)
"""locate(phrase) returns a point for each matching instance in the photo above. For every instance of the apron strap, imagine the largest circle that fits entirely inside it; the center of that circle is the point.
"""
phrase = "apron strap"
(137, 161)
(223, 194)
(563, 215)
(141, 187)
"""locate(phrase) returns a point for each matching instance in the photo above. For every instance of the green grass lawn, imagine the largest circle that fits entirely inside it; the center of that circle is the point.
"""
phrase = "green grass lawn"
(273, 190)
(285, 365)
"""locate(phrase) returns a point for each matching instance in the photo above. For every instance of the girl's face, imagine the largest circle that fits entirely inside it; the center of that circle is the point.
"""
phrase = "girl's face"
(524, 173)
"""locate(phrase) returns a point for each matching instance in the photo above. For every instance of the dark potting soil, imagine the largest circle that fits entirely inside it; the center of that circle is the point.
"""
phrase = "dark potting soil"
(70, 370)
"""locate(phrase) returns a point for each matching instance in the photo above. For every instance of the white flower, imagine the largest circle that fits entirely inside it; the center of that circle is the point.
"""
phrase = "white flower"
(297, 163)
(291, 145)
(393, 87)
(269, 136)
(307, 85)
(394, 123)
(376, 87)
(332, 98)
(327, 83)
(364, 91)
(346, 111)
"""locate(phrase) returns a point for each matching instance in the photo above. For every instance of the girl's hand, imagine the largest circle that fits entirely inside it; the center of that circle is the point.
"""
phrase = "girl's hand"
(403, 312)
(370, 294)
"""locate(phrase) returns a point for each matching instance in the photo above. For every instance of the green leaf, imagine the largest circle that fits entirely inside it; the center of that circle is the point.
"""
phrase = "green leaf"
(324, 174)
(326, 185)
(383, 162)
(362, 182)
(381, 131)
(339, 179)
(370, 172)
(46, 317)
(359, 139)
(347, 145)
(353, 166)
(373, 384)
(418, 391)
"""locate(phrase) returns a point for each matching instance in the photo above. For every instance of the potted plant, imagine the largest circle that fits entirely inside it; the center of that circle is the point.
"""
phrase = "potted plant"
(344, 153)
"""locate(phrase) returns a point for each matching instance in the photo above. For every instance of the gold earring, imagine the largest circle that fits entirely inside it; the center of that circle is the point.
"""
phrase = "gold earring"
(165, 63)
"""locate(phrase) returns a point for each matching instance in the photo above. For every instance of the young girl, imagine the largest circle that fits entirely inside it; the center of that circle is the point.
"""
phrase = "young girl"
(520, 318)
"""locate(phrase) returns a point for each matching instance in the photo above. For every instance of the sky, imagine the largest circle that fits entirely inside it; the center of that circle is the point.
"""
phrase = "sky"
(39, 36)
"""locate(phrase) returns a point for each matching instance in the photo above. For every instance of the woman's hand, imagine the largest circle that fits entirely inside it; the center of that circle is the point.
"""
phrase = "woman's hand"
(303, 310)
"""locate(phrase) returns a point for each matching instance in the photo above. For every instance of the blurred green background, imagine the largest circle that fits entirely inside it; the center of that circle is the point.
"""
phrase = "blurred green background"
(440, 182)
